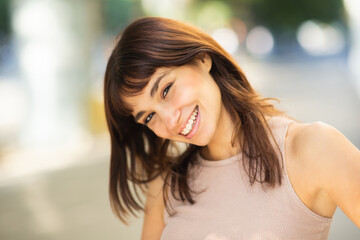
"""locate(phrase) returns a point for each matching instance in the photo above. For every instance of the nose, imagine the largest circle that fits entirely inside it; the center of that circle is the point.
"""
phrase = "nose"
(170, 117)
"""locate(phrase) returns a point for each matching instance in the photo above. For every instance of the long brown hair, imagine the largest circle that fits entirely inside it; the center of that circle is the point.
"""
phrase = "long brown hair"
(137, 155)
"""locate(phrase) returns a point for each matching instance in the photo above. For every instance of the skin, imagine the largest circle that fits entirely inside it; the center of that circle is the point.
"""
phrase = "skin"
(192, 85)
(324, 169)
(323, 166)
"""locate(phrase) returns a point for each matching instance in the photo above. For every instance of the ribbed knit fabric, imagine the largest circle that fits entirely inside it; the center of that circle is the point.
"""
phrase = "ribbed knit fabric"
(230, 208)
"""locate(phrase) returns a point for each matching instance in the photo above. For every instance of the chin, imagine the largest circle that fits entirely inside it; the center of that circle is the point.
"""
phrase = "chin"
(201, 142)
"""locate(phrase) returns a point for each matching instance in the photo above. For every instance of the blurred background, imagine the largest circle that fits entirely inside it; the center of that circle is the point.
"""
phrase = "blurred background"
(54, 148)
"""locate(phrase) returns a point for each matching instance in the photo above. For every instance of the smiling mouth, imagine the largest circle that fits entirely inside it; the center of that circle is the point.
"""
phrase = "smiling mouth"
(191, 122)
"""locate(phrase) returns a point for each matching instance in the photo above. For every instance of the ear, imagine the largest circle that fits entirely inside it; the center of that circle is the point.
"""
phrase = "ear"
(205, 61)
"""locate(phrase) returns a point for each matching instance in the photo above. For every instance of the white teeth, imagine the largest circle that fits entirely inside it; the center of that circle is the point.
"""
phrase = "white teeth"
(190, 123)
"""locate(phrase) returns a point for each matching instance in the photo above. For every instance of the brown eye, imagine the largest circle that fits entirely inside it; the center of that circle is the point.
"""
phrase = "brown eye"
(148, 118)
(166, 90)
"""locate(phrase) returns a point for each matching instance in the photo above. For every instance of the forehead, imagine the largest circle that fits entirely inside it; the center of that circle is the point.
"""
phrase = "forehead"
(137, 101)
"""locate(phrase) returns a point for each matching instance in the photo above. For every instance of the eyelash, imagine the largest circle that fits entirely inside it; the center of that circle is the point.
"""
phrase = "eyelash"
(166, 90)
(164, 93)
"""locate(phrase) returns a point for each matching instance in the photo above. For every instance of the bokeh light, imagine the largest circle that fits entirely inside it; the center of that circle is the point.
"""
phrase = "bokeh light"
(260, 41)
(353, 7)
(240, 28)
(53, 133)
(320, 38)
(227, 38)
(165, 8)
(13, 105)
(213, 15)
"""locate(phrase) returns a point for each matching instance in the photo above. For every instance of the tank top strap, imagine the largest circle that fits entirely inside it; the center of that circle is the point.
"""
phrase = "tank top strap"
(279, 126)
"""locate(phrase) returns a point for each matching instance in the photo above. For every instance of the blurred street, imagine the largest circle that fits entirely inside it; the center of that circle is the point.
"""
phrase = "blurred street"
(72, 202)
(54, 144)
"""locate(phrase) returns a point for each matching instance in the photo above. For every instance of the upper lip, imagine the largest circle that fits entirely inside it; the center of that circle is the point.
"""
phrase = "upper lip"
(185, 122)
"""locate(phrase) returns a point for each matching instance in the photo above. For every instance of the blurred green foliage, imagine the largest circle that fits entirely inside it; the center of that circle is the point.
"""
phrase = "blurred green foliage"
(119, 13)
(283, 15)
(5, 16)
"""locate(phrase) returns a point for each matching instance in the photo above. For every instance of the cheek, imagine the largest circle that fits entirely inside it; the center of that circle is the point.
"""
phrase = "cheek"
(186, 93)
(182, 97)
(160, 130)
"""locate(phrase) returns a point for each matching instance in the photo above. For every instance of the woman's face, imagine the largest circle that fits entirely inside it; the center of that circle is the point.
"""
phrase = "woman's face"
(181, 103)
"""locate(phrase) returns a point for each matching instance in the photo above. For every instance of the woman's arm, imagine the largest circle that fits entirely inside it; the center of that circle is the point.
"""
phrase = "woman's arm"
(330, 164)
(154, 211)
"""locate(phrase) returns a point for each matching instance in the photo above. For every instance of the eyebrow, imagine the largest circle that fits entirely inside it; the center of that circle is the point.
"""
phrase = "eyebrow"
(157, 82)
(153, 90)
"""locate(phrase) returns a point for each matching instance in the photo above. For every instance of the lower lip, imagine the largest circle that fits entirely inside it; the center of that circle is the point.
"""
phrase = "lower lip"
(194, 129)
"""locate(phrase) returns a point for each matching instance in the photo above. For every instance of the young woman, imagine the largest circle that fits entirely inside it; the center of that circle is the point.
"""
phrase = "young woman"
(244, 170)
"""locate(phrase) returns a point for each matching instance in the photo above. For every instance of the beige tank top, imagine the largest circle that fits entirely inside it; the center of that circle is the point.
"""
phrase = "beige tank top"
(230, 208)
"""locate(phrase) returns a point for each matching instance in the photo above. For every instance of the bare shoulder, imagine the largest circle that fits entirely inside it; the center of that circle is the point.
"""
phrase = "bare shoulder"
(302, 133)
(326, 164)
(320, 141)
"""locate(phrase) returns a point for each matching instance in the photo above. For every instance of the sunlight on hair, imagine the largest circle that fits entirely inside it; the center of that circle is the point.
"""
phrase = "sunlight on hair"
(227, 38)
(320, 38)
(260, 41)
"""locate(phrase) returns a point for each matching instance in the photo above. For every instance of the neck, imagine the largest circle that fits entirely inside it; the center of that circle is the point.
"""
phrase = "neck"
(221, 147)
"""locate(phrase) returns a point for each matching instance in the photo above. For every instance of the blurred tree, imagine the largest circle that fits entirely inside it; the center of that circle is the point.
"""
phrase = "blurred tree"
(4, 17)
(7, 61)
(284, 15)
(119, 13)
